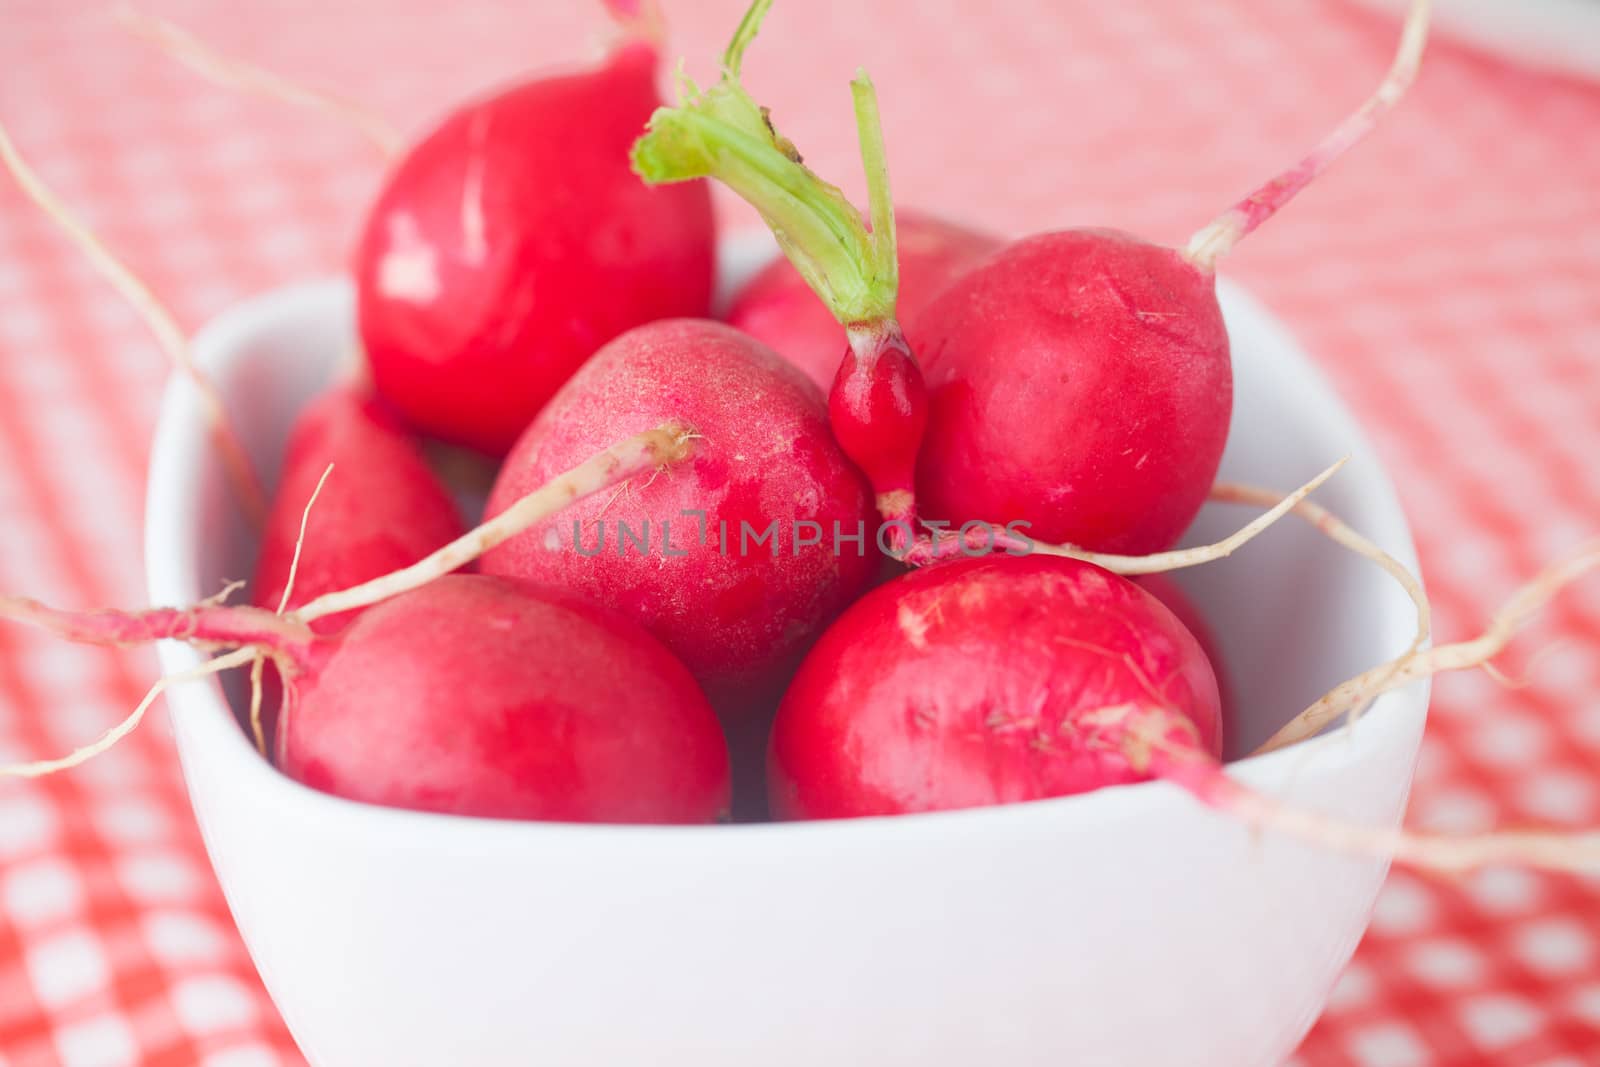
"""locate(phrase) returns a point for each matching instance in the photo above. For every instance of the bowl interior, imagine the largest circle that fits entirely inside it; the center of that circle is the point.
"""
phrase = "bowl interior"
(1293, 613)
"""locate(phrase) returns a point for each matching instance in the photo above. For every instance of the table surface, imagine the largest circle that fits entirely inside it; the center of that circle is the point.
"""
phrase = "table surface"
(1447, 275)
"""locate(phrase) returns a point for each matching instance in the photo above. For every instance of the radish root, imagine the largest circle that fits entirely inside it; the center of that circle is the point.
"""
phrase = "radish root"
(1461, 655)
(1218, 237)
(235, 461)
(257, 668)
(930, 549)
(1160, 741)
(236, 74)
(664, 445)
(40, 768)
(1341, 533)
(253, 633)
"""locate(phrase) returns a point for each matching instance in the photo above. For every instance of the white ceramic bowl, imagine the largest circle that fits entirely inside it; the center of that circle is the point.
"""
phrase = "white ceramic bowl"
(1129, 926)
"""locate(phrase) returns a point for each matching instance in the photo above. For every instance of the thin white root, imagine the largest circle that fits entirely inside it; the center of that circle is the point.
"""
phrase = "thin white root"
(237, 74)
(1181, 558)
(40, 768)
(236, 462)
(1453, 657)
(1551, 850)
(1218, 237)
(1341, 533)
(300, 540)
(256, 730)
(221, 596)
(646, 451)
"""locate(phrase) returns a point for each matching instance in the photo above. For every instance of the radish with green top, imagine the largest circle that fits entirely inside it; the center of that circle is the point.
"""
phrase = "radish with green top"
(1078, 381)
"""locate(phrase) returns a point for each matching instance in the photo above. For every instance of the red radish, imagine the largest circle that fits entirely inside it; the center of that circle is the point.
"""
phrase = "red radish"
(984, 681)
(484, 696)
(1112, 352)
(381, 508)
(736, 615)
(1078, 381)
(779, 308)
(512, 242)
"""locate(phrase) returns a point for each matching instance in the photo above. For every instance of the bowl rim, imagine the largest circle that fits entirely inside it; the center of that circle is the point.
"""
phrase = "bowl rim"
(205, 727)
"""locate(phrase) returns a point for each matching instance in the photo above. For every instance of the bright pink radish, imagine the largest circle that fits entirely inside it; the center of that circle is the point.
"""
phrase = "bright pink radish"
(381, 508)
(484, 696)
(1077, 381)
(984, 681)
(1112, 353)
(513, 241)
(779, 307)
(735, 609)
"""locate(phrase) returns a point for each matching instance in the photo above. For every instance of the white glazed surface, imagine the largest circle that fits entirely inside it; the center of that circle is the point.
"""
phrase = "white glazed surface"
(1128, 926)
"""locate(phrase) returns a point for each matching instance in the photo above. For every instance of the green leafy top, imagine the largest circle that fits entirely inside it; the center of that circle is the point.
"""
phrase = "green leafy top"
(722, 133)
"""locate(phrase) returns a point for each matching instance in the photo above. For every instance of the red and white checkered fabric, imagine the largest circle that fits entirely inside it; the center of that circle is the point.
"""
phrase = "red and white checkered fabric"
(1447, 275)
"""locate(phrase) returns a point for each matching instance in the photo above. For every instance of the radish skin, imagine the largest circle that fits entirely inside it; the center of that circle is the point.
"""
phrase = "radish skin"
(513, 241)
(484, 696)
(972, 682)
(736, 615)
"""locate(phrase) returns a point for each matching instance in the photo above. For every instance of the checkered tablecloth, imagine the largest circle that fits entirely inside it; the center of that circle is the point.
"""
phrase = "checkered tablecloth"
(1447, 275)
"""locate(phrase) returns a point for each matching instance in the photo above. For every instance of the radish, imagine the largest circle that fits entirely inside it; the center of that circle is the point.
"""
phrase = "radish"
(1078, 381)
(989, 681)
(380, 509)
(984, 681)
(778, 307)
(463, 693)
(678, 554)
(512, 242)
(485, 696)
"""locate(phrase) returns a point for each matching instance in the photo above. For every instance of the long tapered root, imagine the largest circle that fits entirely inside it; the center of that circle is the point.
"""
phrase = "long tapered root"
(646, 452)
(1219, 236)
(40, 768)
(1462, 655)
(216, 625)
(1341, 533)
(1162, 742)
(929, 549)
(235, 460)
(233, 73)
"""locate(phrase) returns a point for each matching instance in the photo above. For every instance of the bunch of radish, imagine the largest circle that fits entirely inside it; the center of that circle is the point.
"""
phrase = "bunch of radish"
(665, 623)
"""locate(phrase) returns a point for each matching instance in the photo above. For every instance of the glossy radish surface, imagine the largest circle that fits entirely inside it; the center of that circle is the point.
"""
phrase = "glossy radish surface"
(485, 696)
(736, 611)
(513, 241)
(1079, 381)
(984, 681)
